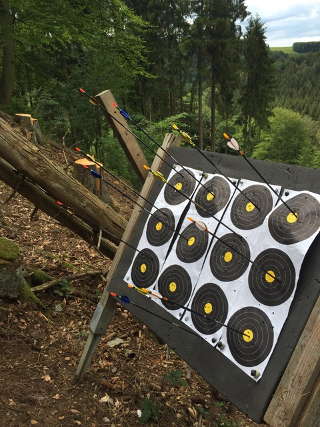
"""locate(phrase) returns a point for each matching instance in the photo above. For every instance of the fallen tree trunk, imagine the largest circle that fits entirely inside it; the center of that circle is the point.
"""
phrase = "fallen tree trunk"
(28, 160)
(45, 203)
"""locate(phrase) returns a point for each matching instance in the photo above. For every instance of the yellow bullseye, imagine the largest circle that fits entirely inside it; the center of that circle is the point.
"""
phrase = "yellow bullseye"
(178, 186)
(291, 218)
(210, 197)
(248, 335)
(143, 268)
(159, 226)
(270, 276)
(208, 308)
(228, 257)
(173, 287)
(191, 241)
(250, 207)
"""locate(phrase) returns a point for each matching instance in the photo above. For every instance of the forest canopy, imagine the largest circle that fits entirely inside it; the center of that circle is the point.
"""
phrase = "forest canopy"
(203, 63)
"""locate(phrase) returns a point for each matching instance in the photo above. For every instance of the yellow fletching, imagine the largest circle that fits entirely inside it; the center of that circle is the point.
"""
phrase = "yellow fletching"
(226, 136)
(174, 126)
(146, 168)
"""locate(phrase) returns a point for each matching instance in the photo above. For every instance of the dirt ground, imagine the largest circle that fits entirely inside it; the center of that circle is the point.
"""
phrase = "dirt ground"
(138, 380)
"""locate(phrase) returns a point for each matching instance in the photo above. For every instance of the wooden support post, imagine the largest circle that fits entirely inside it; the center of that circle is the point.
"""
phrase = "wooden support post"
(298, 393)
(106, 306)
(126, 139)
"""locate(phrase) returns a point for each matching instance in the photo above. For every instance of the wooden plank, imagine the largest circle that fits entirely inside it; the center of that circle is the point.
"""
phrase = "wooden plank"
(311, 412)
(126, 139)
(297, 383)
(106, 306)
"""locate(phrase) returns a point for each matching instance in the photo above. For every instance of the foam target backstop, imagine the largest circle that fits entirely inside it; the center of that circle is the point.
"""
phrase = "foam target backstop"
(244, 274)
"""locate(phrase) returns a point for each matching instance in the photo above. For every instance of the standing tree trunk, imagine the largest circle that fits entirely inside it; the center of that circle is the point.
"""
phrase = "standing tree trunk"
(213, 107)
(7, 80)
(200, 114)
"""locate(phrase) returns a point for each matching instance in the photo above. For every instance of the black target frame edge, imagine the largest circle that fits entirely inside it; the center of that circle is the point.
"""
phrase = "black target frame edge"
(250, 397)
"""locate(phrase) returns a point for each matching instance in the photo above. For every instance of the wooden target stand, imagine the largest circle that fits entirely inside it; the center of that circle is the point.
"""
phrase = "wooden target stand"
(289, 393)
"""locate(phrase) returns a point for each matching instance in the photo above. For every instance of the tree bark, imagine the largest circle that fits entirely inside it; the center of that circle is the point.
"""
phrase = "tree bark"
(200, 88)
(213, 107)
(29, 161)
(7, 80)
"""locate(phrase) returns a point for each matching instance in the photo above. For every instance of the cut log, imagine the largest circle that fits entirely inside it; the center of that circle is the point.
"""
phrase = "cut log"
(30, 162)
(45, 203)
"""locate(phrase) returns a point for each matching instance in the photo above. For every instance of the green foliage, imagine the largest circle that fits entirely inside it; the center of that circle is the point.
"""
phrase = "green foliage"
(150, 411)
(257, 91)
(306, 47)
(297, 82)
(290, 139)
(175, 378)
(63, 288)
(284, 49)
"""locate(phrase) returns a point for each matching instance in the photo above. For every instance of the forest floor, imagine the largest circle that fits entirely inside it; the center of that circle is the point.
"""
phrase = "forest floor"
(41, 349)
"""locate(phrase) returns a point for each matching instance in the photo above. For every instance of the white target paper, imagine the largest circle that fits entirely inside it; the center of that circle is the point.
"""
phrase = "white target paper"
(246, 276)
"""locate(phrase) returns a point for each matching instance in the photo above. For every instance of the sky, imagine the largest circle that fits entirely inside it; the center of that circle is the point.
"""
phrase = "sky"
(288, 21)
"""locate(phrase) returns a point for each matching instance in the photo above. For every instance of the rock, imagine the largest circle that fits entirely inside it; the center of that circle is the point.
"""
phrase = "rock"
(12, 282)
(9, 250)
(38, 277)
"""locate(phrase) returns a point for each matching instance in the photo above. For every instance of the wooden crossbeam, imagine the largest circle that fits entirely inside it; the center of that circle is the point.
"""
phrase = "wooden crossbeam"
(126, 139)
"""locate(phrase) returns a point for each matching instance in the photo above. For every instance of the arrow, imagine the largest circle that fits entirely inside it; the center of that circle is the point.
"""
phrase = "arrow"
(147, 292)
(203, 227)
(187, 138)
(126, 300)
(99, 176)
(88, 156)
(161, 177)
(128, 117)
(94, 101)
(234, 145)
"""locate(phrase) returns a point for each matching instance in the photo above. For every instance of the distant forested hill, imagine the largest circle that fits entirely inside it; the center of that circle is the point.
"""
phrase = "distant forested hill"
(298, 82)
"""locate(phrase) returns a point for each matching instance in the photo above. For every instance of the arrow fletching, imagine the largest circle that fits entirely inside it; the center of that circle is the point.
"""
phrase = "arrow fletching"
(233, 144)
(174, 126)
(200, 225)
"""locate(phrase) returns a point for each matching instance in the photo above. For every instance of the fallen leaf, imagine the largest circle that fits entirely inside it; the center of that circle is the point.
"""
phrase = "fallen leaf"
(46, 378)
(106, 399)
(34, 422)
(115, 342)
(56, 397)
(74, 411)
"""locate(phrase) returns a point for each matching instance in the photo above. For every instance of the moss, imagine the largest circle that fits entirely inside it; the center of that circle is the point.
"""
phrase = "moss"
(38, 277)
(26, 293)
(9, 250)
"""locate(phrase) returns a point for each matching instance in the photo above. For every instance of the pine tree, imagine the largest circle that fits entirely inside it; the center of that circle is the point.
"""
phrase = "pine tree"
(257, 92)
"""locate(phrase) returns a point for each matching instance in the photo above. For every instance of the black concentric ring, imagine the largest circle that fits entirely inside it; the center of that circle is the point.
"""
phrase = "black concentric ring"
(230, 257)
(175, 284)
(211, 302)
(183, 183)
(246, 215)
(254, 346)
(272, 277)
(160, 227)
(145, 269)
(212, 197)
(192, 244)
(287, 229)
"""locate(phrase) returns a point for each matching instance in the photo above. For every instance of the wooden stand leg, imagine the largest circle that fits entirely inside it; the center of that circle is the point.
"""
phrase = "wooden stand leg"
(106, 306)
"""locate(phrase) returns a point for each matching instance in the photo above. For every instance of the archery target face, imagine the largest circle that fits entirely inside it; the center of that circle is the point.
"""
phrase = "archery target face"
(237, 282)
(160, 227)
(191, 246)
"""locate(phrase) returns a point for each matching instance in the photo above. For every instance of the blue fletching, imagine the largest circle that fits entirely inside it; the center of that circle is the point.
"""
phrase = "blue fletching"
(125, 114)
(95, 174)
(125, 299)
